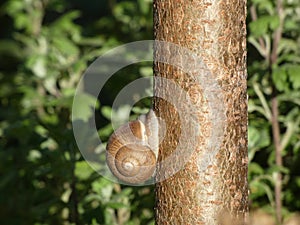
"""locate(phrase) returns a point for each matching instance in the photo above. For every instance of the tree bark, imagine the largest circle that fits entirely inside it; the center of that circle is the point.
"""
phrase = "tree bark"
(216, 32)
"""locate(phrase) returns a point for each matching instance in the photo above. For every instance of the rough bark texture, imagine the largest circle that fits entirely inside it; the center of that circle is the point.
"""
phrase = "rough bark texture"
(216, 32)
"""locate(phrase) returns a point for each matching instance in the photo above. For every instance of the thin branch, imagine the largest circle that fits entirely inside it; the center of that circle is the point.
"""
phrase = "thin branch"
(39, 107)
(278, 33)
(275, 112)
(278, 157)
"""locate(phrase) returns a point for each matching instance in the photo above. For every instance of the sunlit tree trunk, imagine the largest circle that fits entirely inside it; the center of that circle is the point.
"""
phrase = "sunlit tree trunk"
(216, 32)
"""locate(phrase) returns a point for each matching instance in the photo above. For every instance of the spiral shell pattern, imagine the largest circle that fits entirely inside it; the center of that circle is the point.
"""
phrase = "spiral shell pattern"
(132, 150)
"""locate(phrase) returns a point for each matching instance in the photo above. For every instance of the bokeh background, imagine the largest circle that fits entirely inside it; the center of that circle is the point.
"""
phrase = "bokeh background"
(45, 47)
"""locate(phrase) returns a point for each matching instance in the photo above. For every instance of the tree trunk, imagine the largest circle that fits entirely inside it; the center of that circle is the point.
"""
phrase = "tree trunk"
(207, 176)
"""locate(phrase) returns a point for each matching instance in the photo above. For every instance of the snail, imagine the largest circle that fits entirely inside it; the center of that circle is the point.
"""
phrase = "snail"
(131, 151)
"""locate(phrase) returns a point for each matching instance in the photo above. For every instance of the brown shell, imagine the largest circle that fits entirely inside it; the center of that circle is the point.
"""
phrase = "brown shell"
(128, 155)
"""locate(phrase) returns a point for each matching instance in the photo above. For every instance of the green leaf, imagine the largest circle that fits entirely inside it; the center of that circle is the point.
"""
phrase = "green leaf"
(83, 170)
(104, 188)
(116, 205)
(262, 25)
(66, 46)
(279, 77)
(14, 7)
(144, 6)
(264, 5)
(258, 137)
(65, 22)
(21, 21)
(146, 71)
(255, 168)
(294, 75)
(37, 64)
(124, 193)
(276, 168)
(65, 52)
(105, 131)
(84, 107)
(274, 22)
(290, 97)
(109, 217)
(291, 24)
(297, 181)
(106, 112)
(119, 116)
(257, 188)
(287, 45)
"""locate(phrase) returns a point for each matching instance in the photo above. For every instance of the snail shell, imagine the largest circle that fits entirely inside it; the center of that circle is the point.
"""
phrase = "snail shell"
(131, 151)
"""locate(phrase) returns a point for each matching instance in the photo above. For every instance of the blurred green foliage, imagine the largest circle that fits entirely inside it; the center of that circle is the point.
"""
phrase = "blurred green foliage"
(45, 47)
(266, 78)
